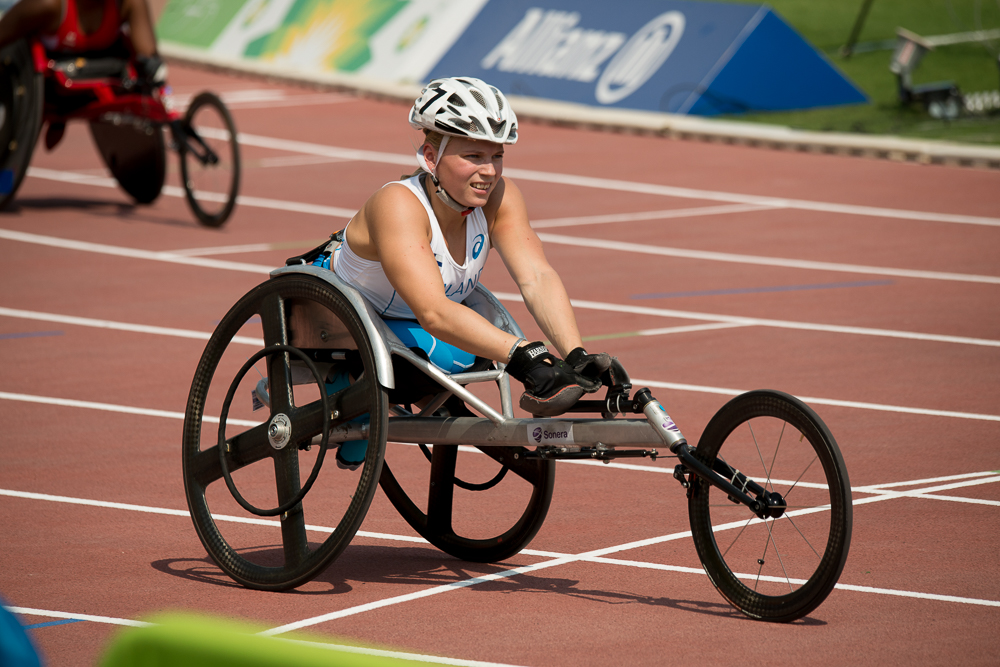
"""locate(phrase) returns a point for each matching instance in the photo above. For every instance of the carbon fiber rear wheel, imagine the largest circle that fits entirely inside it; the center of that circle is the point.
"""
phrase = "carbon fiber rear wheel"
(269, 434)
(779, 568)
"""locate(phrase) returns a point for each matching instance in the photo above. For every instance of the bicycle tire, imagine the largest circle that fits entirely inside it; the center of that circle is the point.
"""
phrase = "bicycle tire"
(345, 496)
(791, 562)
(220, 135)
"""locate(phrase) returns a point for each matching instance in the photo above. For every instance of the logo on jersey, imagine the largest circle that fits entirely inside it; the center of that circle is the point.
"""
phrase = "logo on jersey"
(462, 289)
(477, 245)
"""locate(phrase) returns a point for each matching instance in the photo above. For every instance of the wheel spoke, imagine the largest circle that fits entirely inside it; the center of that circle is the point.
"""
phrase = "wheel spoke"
(286, 475)
(774, 459)
(799, 478)
(294, 542)
(738, 535)
(244, 449)
(804, 538)
(781, 562)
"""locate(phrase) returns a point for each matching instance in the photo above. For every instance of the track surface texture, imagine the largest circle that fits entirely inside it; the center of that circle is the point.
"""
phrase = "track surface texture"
(867, 288)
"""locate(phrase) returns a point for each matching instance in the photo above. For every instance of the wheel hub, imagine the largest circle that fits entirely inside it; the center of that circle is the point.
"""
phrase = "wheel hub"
(279, 432)
(770, 505)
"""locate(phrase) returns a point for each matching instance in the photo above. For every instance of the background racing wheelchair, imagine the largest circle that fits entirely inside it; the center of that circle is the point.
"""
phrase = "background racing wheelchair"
(126, 118)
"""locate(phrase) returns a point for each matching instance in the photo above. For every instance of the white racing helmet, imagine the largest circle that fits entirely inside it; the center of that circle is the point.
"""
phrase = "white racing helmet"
(465, 107)
(462, 107)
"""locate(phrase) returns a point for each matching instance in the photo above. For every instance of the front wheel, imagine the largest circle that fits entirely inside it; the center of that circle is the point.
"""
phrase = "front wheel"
(210, 159)
(782, 567)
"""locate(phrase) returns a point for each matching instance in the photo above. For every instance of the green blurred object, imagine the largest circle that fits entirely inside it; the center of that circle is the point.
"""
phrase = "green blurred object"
(201, 641)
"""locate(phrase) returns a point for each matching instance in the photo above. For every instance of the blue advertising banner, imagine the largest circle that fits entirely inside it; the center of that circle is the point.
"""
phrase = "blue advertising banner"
(701, 58)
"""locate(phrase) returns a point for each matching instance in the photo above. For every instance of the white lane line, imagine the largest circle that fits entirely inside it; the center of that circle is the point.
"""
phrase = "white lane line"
(148, 509)
(629, 186)
(590, 556)
(666, 214)
(120, 326)
(174, 191)
(549, 177)
(225, 250)
(922, 596)
(916, 493)
(110, 407)
(815, 400)
(758, 321)
(134, 253)
(598, 555)
(607, 244)
(28, 611)
(688, 329)
(199, 335)
(415, 657)
(872, 488)
(506, 296)
(291, 161)
(382, 653)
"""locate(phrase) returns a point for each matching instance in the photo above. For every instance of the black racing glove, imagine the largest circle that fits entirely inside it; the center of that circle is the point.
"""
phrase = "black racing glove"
(551, 385)
(152, 71)
(591, 366)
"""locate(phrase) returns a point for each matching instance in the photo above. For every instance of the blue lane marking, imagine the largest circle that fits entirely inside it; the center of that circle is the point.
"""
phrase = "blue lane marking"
(51, 623)
(30, 334)
(757, 290)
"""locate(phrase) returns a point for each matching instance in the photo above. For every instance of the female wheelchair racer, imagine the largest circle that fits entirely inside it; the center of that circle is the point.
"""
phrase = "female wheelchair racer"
(417, 247)
(768, 496)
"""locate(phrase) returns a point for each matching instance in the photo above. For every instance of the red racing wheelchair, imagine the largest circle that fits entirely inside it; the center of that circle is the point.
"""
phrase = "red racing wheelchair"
(127, 119)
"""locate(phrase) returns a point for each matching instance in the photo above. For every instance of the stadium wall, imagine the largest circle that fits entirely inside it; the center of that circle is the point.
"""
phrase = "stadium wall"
(388, 48)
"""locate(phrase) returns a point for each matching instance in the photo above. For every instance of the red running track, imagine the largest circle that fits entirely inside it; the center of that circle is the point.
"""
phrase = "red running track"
(868, 287)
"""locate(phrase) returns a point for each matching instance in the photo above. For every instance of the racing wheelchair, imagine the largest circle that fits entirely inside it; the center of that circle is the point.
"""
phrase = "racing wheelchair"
(126, 118)
(769, 500)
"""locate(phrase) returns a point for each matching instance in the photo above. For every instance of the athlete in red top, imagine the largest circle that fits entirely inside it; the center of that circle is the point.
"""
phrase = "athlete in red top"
(68, 27)
(80, 26)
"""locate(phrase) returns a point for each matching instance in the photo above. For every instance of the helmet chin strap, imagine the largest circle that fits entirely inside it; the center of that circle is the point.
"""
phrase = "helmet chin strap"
(440, 191)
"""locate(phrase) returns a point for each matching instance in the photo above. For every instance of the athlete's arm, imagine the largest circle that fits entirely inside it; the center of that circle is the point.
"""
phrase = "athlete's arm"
(540, 285)
(29, 17)
(140, 20)
(395, 231)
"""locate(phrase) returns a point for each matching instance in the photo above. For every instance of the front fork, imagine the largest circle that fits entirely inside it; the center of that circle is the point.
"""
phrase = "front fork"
(188, 140)
(740, 488)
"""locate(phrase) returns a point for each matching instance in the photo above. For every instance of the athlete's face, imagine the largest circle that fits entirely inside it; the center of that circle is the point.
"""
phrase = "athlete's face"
(469, 170)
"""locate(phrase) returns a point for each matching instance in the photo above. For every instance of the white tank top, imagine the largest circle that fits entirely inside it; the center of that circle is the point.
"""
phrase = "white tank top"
(459, 279)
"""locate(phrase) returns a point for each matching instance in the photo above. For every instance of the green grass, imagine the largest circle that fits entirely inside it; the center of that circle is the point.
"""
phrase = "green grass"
(973, 67)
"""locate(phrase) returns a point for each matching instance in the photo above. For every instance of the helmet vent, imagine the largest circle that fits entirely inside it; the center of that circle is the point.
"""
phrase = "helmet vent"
(496, 93)
(456, 100)
(478, 97)
(497, 127)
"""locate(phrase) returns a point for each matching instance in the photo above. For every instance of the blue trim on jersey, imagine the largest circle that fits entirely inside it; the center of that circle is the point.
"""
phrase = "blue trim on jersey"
(447, 357)
(389, 305)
